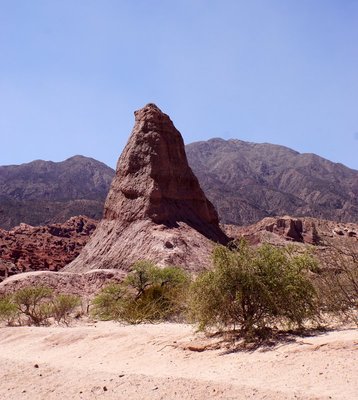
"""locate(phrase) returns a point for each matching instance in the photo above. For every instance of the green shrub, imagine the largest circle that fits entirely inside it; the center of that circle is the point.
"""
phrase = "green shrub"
(108, 304)
(148, 293)
(251, 288)
(8, 310)
(33, 301)
(338, 291)
(61, 306)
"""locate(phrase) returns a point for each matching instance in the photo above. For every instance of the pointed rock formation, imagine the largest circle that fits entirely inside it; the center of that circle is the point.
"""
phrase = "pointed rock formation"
(155, 208)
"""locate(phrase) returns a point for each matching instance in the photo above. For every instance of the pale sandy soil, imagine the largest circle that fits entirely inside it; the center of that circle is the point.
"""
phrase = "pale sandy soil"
(109, 361)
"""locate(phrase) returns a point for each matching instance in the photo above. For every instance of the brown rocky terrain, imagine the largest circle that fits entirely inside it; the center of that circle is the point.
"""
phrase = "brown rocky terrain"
(308, 230)
(249, 181)
(155, 208)
(44, 192)
(334, 244)
(50, 248)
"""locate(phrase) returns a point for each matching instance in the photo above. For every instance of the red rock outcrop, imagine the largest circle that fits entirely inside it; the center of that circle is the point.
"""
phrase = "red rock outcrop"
(277, 230)
(7, 268)
(155, 208)
(33, 248)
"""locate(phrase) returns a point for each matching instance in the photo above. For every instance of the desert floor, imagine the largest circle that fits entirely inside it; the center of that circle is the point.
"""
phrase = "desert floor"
(109, 361)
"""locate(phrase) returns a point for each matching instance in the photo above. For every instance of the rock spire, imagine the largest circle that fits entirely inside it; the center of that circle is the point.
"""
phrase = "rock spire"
(155, 208)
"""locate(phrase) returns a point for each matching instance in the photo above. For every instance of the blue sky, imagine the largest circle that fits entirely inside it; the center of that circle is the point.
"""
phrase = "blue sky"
(280, 71)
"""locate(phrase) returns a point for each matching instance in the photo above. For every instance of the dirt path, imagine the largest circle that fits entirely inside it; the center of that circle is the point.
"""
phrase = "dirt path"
(108, 361)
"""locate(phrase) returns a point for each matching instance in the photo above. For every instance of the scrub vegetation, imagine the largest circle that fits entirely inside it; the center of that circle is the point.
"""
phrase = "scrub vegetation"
(249, 291)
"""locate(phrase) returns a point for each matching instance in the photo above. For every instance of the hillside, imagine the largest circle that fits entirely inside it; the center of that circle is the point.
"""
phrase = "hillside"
(249, 181)
(245, 181)
(43, 192)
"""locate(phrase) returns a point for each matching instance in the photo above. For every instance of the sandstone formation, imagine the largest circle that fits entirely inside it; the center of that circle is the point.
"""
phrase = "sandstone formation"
(50, 248)
(306, 230)
(7, 268)
(155, 208)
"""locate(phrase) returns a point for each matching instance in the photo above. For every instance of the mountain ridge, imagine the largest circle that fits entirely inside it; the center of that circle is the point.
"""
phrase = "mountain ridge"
(245, 181)
(42, 192)
(249, 181)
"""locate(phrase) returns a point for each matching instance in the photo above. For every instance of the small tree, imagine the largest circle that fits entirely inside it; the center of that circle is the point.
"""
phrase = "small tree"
(337, 283)
(252, 288)
(62, 305)
(33, 301)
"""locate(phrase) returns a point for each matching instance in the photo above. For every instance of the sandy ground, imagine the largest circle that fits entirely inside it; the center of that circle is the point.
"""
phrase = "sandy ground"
(109, 361)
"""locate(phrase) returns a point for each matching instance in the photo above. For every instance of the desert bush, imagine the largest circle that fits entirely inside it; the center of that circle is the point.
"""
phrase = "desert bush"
(337, 282)
(61, 306)
(108, 303)
(33, 301)
(8, 310)
(252, 288)
(148, 293)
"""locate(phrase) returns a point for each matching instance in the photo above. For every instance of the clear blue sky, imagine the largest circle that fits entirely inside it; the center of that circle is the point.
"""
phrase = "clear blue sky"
(280, 71)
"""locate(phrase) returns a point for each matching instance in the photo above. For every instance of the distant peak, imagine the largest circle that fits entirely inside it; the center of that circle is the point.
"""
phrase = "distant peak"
(76, 157)
(217, 139)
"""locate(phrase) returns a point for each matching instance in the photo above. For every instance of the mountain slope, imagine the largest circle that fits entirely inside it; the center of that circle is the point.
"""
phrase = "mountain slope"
(42, 192)
(248, 181)
(245, 181)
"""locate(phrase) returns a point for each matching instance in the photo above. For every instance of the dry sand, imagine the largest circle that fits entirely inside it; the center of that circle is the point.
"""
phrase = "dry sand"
(109, 361)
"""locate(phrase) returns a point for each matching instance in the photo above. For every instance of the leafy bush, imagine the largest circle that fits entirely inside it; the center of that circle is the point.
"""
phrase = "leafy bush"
(337, 283)
(33, 301)
(61, 307)
(38, 304)
(252, 288)
(148, 293)
(108, 304)
(8, 310)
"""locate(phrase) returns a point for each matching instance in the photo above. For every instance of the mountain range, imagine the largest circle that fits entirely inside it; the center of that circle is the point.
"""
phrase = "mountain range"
(249, 181)
(44, 192)
(245, 181)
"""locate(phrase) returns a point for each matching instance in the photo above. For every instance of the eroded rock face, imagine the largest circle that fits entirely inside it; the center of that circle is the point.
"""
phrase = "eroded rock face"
(155, 208)
(154, 181)
(7, 268)
(278, 230)
(33, 248)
